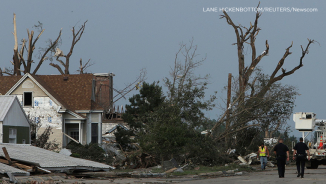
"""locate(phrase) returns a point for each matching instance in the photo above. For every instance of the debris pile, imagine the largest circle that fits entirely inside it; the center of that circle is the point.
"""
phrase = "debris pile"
(24, 160)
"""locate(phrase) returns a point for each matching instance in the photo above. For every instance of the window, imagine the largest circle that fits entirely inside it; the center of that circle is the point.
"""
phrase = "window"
(94, 134)
(28, 99)
(12, 135)
(75, 135)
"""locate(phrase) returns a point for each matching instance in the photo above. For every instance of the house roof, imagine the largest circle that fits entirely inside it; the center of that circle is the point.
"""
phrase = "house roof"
(74, 92)
(7, 82)
(48, 159)
(6, 102)
(12, 172)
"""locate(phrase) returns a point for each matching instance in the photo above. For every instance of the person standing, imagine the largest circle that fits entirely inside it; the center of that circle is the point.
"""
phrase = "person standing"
(300, 155)
(262, 150)
(282, 155)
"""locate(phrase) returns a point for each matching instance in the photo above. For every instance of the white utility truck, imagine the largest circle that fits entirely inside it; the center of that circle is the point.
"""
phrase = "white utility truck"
(306, 122)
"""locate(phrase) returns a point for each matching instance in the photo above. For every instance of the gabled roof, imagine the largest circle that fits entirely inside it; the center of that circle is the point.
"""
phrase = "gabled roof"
(6, 102)
(73, 92)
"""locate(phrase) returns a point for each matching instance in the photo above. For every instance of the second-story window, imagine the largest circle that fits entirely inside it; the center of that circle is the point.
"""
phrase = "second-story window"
(28, 99)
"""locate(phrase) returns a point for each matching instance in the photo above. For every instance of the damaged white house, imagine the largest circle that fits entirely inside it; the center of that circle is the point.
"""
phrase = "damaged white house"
(72, 104)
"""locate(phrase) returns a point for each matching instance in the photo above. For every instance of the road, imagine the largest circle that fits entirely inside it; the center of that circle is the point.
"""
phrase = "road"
(270, 176)
(312, 176)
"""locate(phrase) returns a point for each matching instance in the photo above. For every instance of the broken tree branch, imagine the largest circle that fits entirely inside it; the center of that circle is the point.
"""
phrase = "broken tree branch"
(46, 52)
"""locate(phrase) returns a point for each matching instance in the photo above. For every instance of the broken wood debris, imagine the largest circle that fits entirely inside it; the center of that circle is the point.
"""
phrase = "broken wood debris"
(9, 162)
(171, 170)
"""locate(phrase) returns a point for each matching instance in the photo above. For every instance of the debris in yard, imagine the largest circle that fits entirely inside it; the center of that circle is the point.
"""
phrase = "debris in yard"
(229, 172)
(21, 160)
(170, 164)
(230, 151)
(242, 160)
(247, 160)
(171, 170)
(178, 170)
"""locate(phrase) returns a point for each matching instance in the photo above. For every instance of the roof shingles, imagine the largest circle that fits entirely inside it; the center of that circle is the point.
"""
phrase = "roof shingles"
(72, 91)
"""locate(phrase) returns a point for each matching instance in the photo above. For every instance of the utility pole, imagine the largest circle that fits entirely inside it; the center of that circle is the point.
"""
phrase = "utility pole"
(228, 100)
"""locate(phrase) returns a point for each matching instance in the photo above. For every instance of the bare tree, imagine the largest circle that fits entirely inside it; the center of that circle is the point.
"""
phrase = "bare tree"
(249, 97)
(186, 89)
(121, 93)
(82, 67)
(75, 38)
(27, 46)
(185, 63)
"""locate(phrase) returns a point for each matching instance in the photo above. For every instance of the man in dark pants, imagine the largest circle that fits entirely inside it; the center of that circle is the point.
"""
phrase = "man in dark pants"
(282, 155)
(300, 153)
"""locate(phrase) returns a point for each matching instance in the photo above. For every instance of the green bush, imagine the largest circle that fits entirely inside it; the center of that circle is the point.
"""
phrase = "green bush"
(90, 152)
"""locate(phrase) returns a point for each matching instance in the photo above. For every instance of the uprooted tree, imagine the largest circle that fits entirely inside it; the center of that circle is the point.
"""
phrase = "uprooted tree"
(23, 64)
(247, 104)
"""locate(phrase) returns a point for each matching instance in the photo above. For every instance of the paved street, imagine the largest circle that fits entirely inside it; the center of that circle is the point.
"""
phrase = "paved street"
(312, 176)
(270, 176)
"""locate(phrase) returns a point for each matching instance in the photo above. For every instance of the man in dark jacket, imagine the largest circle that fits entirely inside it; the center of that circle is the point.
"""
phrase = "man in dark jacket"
(282, 155)
(300, 154)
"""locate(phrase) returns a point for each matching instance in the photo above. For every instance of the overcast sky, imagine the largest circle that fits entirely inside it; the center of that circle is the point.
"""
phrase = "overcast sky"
(123, 37)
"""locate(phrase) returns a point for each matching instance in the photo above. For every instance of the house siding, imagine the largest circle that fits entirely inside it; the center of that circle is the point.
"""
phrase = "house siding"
(44, 111)
(29, 85)
(22, 133)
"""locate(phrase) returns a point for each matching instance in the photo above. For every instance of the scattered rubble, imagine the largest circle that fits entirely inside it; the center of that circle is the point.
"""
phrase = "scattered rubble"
(171, 170)
(248, 159)
(169, 164)
(23, 159)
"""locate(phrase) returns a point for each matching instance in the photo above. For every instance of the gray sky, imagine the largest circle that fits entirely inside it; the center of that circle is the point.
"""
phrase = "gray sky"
(125, 36)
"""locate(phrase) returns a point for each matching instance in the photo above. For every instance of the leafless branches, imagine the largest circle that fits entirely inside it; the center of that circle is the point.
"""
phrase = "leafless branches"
(246, 35)
(135, 85)
(82, 67)
(18, 57)
(183, 69)
(249, 96)
(75, 38)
